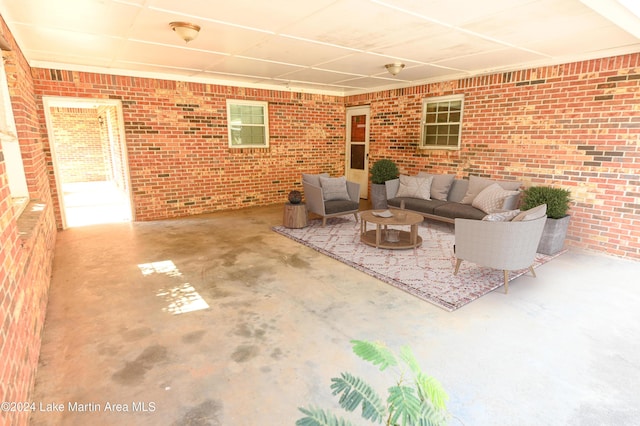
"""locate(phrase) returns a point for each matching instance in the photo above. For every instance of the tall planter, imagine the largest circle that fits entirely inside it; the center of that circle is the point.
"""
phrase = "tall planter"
(553, 235)
(379, 196)
(555, 229)
(381, 171)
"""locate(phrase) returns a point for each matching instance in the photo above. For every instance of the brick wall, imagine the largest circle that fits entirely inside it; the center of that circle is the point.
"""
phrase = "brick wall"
(572, 125)
(575, 126)
(26, 246)
(176, 135)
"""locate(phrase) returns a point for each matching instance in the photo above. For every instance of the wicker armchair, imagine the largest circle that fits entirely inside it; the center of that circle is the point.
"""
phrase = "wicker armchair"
(500, 245)
(317, 204)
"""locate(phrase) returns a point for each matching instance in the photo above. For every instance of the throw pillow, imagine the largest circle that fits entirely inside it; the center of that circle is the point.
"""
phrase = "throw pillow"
(531, 214)
(491, 199)
(477, 184)
(415, 187)
(502, 216)
(313, 179)
(440, 185)
(334, 188)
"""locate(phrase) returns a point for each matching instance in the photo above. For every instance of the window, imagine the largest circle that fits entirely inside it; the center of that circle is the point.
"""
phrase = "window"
(248, 124)
(11, 148)
(441, 122)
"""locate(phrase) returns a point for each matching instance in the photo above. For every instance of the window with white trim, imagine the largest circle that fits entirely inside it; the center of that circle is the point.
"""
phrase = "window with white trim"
(442, 122)
(248, 123)
(11, 148)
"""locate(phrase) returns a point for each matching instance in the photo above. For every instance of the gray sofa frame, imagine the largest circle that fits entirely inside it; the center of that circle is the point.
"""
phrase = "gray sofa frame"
(445, 211)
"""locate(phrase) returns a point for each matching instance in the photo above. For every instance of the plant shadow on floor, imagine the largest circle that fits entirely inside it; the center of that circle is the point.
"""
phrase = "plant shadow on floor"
(414, 399)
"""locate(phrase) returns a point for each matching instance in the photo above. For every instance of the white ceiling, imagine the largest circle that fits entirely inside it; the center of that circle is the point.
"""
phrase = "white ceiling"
(337, 47)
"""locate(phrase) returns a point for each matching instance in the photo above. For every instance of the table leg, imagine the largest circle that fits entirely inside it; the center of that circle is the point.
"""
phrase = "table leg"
(414, 235)
(377, 235)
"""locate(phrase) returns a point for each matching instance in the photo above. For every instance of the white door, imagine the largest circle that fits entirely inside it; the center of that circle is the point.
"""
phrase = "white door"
(357, 161)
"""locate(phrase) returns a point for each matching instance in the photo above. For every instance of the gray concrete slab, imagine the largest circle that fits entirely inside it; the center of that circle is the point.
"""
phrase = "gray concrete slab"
(218, 320)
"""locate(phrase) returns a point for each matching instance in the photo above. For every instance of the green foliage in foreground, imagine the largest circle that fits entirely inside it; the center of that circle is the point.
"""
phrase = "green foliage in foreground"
(413, 399)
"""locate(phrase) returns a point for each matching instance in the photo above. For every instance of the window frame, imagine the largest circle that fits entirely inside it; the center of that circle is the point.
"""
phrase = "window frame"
(424, 125)
(14, 165)
(265, 122)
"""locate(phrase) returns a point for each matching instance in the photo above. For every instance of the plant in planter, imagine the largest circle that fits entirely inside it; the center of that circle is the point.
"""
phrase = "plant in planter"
(414, 399)
(555, 229)
(381, 171)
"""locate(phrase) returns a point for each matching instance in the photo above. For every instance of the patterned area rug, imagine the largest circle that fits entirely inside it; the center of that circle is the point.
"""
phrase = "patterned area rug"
(426, 272)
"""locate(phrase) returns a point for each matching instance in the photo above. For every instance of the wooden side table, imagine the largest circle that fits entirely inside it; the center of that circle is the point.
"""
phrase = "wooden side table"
(295, 215)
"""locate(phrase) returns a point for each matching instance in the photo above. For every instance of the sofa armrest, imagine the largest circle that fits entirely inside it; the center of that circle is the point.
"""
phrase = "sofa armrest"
(353, 189)
(392, 186)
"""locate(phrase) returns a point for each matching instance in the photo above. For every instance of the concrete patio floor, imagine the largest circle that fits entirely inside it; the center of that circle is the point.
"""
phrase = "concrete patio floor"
(217, 320)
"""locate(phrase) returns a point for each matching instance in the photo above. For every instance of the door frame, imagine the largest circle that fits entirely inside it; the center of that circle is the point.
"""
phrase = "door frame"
(357, 175)
(71, 102)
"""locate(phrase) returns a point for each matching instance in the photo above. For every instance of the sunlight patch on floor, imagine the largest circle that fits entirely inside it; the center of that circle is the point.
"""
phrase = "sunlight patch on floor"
(181, 298)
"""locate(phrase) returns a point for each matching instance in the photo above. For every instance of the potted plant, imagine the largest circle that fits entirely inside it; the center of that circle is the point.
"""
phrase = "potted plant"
(381, 171)
(555, 229)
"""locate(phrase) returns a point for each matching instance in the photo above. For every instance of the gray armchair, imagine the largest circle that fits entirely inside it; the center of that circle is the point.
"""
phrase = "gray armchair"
(326, 203)
(500, 245)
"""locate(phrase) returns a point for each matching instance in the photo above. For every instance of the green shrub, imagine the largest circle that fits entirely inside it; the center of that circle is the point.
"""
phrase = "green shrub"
(556, 199)
(414, 399)
(383, 170)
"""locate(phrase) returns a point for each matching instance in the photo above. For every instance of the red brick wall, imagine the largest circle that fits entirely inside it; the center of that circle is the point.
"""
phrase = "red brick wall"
(26, 247)
(81, 151)
(176, 136)
(575, 126)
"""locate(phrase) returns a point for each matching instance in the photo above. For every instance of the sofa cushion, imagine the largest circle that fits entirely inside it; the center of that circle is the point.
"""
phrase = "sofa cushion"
(477, 184)
(458, 190)
(458, 210)
(491, 198)
(501, 216)
(416, 204)
(313, 179)
(440, 186)
(415, 187)
(531, 214)
(334, 188)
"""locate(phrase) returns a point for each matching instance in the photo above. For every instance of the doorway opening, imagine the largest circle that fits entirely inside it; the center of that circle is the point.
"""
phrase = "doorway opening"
(87, 143)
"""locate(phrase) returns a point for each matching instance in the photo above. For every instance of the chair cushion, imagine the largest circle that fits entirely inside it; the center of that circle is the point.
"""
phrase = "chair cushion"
(334, 189)
(491, 198)
(440, 186)
(313, 179)
(501, 216)
(415, 187)
(531, 214)
(477, 184)
(339, 206)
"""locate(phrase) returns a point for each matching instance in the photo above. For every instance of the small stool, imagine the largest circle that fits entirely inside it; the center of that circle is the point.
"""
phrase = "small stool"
(295, 215)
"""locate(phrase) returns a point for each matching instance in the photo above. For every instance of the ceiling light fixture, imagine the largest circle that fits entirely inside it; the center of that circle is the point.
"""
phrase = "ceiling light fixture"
(394, 68)
(185, 30)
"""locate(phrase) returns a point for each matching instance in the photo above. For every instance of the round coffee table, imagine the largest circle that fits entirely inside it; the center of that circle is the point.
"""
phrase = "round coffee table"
(383, 236)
